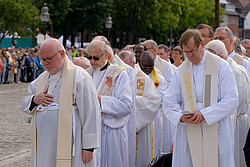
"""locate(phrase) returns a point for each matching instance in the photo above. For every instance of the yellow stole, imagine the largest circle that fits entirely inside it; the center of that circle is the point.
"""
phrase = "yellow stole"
(155, 77)
(203, 147)
(64, 134)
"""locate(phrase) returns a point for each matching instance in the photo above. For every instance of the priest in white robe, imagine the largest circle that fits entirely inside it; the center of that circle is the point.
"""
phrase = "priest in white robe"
(131, 125)
(147, 103)
(162, 65)
(226, 35)
(240, 118)
(112, 84)
(204, 129)
(147, 66)
(65, 112)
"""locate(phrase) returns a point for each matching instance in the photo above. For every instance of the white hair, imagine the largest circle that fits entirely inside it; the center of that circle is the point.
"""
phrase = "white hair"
(217, 46)
(243, 50)
(110, 50)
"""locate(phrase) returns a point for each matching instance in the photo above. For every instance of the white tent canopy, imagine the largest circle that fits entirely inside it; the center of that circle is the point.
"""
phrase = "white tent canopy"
(40, 38)
(68, 43)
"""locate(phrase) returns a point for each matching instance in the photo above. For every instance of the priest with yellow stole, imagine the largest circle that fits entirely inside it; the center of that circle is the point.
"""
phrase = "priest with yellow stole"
(199, 102)
(65, 112)
(148, 67)
(147, 104)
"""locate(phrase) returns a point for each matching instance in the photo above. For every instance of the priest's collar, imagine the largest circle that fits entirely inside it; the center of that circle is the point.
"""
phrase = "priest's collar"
(202, 60)
(105, 67)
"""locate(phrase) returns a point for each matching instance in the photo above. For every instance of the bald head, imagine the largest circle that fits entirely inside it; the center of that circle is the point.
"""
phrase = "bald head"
(127, 57)
(51, 44)
(102, 38)
(218, 47)
(53, 55)
(82, 62)
(147, 55)
(147, 62)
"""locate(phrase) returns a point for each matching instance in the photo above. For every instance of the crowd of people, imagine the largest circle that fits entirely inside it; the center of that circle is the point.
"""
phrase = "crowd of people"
(133, 107)
(24, 64)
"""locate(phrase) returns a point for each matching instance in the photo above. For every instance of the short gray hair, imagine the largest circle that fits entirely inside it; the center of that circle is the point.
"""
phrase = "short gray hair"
(124, 53)
(245, 41)
(217, 46)
(230, 34)
(152, 44)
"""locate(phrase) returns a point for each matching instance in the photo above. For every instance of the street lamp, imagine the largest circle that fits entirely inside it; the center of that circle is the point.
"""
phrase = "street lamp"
(44, 17)
(109, 24)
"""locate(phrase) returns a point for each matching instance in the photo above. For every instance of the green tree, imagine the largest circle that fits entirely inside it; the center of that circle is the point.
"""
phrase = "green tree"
(144, 18)
(18, 16)
(90, 15)
(193, 14)
(59, 11)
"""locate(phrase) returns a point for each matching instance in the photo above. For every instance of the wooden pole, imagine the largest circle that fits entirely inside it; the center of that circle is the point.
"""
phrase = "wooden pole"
(217, 14)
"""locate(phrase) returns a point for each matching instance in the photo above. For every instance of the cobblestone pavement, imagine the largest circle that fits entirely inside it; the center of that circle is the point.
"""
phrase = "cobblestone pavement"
(14, 131)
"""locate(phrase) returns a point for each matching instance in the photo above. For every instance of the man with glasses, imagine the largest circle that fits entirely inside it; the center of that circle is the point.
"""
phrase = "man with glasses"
(207, 32)
(65, 112)
(240, 118)
(246, 44)
(227, 37)
(199, 102)
(114, 95)
(148, 67)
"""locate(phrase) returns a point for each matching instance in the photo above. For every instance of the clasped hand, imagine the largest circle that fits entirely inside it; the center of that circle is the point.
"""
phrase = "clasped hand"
(43, 98)
(195, 118)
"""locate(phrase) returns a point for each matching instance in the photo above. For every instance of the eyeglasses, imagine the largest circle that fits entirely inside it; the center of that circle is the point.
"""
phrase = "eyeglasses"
(191, 51)
(221, 38)
(147, 67)
(149, 48)
(208, 36)
(49, 59)
(139, 52)
(95, 58)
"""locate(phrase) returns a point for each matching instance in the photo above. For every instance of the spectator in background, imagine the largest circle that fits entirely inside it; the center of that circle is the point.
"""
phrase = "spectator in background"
(3, 67)
(246, 44)
(83, 52)
(23, 68)
(73, 52)
(178, 56)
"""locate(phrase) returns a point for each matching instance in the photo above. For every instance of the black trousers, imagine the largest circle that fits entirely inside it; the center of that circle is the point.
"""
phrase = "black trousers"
(247, 149)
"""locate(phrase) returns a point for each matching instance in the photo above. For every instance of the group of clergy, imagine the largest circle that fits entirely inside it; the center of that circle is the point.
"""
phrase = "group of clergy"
(125, 111)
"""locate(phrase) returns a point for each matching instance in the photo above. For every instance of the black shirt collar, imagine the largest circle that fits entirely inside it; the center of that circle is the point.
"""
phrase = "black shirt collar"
(106, 66)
